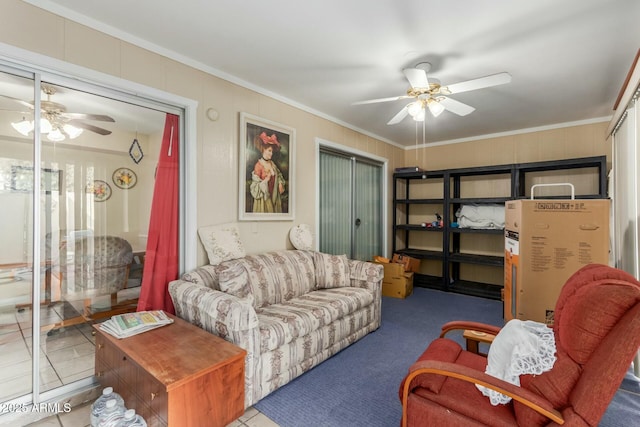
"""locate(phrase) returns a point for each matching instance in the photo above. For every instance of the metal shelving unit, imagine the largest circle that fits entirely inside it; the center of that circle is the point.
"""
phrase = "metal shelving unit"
(451, 253)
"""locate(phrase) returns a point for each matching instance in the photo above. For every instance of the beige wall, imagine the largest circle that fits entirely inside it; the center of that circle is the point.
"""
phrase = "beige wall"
(33, 29)
(562, 143)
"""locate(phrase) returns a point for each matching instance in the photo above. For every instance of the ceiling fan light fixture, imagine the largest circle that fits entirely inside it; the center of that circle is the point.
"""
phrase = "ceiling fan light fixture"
(24, 127)
(435, 107)
(420, 116)
(72, 131)
(414, 108)
(55, 135)
(45, 126)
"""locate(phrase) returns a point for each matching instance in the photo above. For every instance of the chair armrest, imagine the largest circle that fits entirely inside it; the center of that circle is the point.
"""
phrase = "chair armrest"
(475, 326)
(464, 373)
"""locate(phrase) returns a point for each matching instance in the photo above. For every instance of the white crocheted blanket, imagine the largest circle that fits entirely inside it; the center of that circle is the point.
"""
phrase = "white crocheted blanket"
(521, 347)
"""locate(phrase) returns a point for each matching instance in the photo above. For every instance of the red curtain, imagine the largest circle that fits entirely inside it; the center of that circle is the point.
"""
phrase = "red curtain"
(161, 257)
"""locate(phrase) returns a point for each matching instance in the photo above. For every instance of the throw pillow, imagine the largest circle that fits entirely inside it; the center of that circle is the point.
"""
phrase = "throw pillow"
(332, 271)
(234, 280)
(222, 242)
(301, 237)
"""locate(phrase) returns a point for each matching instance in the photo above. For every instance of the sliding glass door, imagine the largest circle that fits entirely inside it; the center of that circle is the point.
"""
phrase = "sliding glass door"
(77, 171)
(350, 197)
(16, 251)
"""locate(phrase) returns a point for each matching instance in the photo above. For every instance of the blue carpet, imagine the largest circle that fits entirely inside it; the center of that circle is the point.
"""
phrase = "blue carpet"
(359, 385)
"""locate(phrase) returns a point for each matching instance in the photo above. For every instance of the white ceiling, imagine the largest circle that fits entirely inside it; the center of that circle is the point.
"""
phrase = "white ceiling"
(568, 59)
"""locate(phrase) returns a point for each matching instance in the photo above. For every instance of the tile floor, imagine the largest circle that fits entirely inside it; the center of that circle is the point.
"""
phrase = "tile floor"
(79, 417)
(66, 355)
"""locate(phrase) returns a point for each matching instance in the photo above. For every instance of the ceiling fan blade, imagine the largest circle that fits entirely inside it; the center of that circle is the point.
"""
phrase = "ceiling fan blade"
(417, 78)
(87, 126)
(482, 82)
(98, 117)
(373, 101)
(400, 116)
(456, 107)
(19, 101)
(24, 113)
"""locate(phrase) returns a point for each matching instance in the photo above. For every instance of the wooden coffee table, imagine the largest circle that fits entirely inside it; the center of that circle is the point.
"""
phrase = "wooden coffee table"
(176, 375)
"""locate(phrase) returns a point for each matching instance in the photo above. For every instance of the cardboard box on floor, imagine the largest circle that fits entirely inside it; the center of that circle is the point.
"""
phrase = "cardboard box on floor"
(397, 282)
(546, 241)
(398, 287)
(411, 265)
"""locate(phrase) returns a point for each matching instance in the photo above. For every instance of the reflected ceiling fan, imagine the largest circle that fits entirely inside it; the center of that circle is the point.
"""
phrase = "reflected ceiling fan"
(56, 122)
(431, 95)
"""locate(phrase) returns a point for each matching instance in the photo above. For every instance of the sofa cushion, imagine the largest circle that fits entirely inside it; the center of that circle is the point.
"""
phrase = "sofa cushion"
(332, 271)
(284, 322)
(276, 277)
(222, 242)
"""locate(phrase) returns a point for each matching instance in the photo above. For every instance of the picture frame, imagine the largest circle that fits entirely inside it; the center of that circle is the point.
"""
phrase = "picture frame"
(101, 190)
(22, 179)
(124, 178)
(266, 178)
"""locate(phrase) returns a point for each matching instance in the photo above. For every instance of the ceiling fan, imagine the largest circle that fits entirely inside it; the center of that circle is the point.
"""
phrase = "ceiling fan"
(56, 121)
(431, 95)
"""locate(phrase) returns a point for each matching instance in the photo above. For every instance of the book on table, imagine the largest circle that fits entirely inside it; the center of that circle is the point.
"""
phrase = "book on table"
(128, 324)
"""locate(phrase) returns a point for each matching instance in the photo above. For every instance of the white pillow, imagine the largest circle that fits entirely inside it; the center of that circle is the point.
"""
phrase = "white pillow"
(222, 242)
(301, 237)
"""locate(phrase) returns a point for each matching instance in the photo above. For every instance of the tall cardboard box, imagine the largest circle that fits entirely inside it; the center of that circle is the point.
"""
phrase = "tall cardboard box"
(546, 241)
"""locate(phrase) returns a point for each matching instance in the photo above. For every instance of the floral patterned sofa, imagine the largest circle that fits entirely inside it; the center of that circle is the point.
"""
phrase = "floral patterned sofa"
(289, 309)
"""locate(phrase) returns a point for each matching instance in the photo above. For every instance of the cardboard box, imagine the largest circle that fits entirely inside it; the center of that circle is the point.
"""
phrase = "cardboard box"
(546, 241)
(398, 287)
(410, 264)
(391, 270)
(397, 282)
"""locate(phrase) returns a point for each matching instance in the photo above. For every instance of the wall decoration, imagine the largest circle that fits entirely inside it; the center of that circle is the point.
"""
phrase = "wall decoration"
(22, 179)
(266, 170)
(124, 178)
(101, 190)
(135, 151)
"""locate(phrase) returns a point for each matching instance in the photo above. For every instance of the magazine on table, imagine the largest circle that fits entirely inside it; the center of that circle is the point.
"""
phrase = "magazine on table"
(128, 324)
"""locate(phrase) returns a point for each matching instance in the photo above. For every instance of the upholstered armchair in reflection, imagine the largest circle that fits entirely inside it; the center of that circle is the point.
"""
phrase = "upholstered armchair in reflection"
(85, 268)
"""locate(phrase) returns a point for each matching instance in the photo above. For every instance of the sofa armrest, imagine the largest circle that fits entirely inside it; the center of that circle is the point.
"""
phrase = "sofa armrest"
(369, 275)
(206, 275)
(214, 311)
(364, 274)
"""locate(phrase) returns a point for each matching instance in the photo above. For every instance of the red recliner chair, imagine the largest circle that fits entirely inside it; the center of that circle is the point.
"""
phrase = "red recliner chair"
(597, 335)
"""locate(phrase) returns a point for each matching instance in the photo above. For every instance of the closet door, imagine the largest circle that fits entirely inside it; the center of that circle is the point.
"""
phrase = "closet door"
(367, 196)
(350, 208)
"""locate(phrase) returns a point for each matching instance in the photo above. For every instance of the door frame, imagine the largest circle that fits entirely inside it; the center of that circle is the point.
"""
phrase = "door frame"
(81, 78)
(320, 143)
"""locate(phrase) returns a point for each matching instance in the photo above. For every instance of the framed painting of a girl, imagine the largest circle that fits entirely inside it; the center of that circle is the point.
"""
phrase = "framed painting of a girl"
(266, 170)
